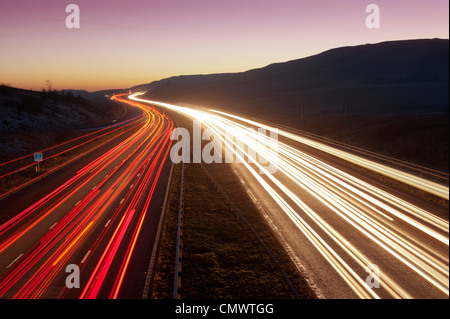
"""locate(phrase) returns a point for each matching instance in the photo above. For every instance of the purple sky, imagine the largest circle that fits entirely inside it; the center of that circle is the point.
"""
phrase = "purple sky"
(125, 43)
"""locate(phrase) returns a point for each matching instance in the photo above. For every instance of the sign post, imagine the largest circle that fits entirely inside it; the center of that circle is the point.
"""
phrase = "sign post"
(37, 158)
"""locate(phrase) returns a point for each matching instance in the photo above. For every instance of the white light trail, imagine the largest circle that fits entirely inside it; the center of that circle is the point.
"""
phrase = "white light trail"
(372, 211)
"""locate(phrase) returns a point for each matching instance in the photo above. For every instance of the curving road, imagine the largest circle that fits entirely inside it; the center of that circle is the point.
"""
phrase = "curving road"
(351, 235)
(97, 216)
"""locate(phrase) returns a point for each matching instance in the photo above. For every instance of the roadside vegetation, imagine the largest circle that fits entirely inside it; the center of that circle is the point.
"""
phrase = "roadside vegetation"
(53, 110)
(33, 121)
(221, 257)
(57, 157)
(417, 139)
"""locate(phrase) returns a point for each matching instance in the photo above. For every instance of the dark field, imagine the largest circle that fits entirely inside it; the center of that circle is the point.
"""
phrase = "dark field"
(419, 139)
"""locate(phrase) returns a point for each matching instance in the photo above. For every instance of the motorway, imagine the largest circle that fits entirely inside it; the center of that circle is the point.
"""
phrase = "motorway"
(350, 234)
(99, 214)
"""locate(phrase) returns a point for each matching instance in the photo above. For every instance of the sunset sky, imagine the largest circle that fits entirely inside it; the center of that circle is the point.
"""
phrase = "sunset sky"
(126, 43)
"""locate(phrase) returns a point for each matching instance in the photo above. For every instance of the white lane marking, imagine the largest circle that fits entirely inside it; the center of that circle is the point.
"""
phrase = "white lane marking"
(86, 256)
(12, 263)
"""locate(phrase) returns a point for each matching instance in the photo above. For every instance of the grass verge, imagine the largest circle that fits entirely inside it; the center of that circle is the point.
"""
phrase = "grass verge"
(15, 180)
(222, 259)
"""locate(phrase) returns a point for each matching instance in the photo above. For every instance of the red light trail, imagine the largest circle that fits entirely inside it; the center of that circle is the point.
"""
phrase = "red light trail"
(106, 204)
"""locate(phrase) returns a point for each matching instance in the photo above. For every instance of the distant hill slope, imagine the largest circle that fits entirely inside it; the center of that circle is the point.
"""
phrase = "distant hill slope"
(397, 77)
(26, 110)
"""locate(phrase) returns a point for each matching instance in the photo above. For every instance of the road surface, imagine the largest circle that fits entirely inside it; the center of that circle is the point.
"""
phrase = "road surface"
(351, 235)
(97, 216)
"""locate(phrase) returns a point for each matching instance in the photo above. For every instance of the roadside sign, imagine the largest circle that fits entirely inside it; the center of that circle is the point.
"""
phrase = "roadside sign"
(38, 157)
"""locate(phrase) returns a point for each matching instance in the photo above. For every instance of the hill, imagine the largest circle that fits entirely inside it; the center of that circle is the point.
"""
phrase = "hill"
(26, 110)
(396, 77)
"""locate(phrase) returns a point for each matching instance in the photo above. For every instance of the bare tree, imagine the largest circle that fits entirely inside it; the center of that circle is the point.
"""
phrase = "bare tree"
(49, 85)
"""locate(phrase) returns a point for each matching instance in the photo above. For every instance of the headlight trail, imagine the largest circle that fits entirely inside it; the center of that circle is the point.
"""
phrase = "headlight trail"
(418, 182)
(390, 224)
